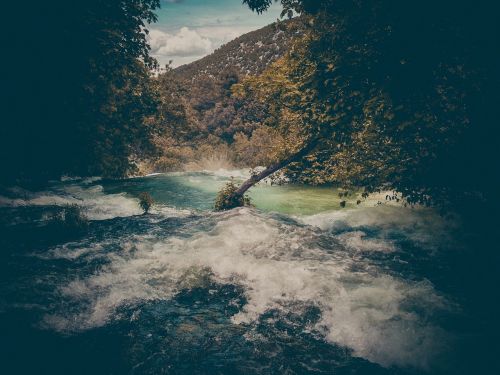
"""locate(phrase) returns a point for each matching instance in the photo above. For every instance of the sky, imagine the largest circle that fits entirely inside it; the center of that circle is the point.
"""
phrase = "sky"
(187, 30)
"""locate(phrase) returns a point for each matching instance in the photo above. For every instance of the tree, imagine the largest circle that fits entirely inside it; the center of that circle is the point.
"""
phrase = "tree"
(87, 106)
(390, 95)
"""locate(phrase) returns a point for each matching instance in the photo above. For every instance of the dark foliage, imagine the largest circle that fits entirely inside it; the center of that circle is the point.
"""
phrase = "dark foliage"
(399, 94)
(76, 88)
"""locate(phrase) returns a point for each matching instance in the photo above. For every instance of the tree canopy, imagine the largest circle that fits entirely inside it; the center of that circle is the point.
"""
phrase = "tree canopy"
(394, 95)
(77, 93)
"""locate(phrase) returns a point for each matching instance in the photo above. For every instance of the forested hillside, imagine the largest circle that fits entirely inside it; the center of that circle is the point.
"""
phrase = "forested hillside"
(203, 122)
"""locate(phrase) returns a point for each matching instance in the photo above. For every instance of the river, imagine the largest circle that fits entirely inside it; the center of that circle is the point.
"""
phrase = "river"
(294, 285)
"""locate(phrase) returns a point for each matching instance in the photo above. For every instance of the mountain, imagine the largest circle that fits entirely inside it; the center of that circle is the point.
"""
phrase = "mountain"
(205, 85)
(201, 117)
(248, 54)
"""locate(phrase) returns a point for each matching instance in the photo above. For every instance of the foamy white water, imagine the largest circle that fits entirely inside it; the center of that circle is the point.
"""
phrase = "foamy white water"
(281, 267)
(95, 203)
(296, 251)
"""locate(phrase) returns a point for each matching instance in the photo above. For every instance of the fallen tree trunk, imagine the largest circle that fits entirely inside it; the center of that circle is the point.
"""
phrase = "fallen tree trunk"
(236, 198)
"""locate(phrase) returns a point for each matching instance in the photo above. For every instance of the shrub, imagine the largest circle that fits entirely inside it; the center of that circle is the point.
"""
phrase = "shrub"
(145, 201)
(227, 199)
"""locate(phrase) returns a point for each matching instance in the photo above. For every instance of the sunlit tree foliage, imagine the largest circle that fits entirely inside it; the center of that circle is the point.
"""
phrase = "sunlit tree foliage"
(395, 95)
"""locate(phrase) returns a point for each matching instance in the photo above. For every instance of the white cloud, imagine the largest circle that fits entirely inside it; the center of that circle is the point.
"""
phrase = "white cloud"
(185, 42)
(189, 30)
(189, 44)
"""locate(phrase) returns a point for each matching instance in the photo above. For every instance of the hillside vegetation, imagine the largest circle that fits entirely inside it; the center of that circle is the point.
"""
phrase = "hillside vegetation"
(205, 125)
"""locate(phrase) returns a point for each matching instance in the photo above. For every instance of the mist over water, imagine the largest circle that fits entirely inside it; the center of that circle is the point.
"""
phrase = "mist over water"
(293, 285)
